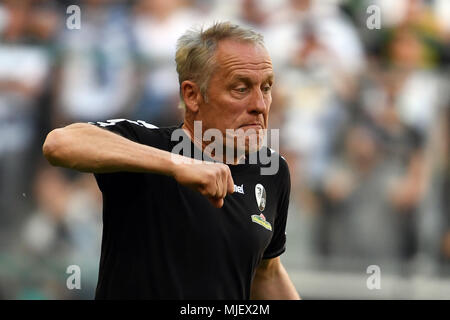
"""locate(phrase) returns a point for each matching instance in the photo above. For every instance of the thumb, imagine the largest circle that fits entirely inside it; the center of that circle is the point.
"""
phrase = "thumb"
(216, 202)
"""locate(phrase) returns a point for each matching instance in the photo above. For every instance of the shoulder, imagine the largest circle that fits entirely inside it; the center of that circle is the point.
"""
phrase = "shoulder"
(139, 131)
(273, 163)
(141, 125)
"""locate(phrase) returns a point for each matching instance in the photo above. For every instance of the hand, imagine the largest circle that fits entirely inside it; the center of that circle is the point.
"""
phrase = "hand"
(213, 180)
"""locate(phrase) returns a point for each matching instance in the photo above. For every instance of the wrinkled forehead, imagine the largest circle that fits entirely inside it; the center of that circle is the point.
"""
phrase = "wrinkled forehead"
(231, 54)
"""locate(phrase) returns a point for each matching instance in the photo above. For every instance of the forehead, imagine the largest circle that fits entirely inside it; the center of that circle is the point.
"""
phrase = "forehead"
(236, 57)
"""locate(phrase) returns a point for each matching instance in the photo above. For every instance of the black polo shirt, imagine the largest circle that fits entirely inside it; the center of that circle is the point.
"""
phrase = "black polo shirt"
(162, 240)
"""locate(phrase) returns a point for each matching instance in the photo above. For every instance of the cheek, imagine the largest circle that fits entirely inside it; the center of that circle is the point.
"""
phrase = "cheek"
(233, 103)
(268, 100)
(222, 113)
(232, 109)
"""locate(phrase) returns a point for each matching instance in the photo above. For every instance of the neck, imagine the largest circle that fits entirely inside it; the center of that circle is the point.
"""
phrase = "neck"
(201, 144)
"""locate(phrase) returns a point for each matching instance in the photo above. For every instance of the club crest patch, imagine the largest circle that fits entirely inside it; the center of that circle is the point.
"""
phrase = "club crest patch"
(260, 194)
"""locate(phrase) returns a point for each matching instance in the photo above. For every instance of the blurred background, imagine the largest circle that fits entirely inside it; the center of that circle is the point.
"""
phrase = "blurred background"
(363, 115)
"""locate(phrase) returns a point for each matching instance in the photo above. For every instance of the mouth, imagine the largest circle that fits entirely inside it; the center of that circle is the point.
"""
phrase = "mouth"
(253, 125)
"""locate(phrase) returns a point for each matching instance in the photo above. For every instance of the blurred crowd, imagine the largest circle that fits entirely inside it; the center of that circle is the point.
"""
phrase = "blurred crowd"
(363, 113)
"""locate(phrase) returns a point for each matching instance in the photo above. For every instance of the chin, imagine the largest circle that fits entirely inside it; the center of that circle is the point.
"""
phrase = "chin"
(253, 143)
(253, 147)
(246, 142)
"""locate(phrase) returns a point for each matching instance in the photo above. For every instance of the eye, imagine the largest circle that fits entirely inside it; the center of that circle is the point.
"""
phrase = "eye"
(241, 89)
(267, 88)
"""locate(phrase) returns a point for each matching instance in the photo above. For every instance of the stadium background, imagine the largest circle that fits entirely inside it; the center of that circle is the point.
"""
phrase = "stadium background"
(364, 118)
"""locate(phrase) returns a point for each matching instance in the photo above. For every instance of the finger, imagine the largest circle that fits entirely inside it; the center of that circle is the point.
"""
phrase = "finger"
(225, 187)
(216, 202)
(219, 187)
(225, 180)
(230, 183)
(224, 184)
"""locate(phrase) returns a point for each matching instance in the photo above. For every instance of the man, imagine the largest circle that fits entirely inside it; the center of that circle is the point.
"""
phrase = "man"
(172, 226)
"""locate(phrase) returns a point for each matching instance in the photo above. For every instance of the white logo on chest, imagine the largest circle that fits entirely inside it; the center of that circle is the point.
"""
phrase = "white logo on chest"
(239, 189)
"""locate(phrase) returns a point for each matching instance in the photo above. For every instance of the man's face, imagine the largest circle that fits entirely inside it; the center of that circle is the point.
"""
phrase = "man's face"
(239, 91)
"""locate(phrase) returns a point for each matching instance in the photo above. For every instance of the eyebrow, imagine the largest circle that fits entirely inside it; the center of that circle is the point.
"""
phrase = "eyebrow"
(269, 78)
(247, 80)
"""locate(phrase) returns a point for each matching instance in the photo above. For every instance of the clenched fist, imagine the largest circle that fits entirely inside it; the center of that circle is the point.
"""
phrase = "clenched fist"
(213, 180)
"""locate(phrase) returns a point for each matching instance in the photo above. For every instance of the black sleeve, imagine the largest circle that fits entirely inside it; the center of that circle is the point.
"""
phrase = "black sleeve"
(126, 128)
(137, 131)
(277, 244)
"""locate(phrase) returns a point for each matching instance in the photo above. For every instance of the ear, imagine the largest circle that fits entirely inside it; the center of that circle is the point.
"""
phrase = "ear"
(191, 95)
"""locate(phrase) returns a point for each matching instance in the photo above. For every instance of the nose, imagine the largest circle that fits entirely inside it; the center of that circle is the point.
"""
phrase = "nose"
(258, 104)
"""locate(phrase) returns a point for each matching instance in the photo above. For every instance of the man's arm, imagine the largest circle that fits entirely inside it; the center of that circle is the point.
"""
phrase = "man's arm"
(88, 148)
(85, 147)
(272, 282)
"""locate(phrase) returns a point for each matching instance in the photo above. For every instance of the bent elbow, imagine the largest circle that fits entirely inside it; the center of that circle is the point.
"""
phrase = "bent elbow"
(52, 147)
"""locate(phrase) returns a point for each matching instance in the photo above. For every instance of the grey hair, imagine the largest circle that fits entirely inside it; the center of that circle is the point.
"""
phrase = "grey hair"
(195, 52)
